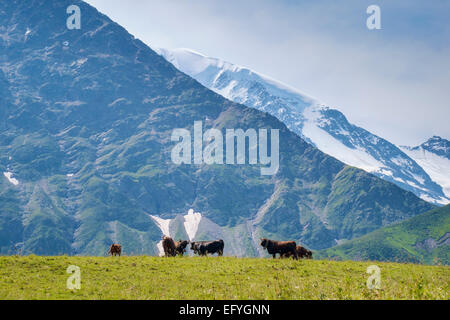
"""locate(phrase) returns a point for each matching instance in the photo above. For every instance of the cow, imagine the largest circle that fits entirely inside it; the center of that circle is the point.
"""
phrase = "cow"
(169, 246)
(305, 252)
(202, 248)
(180, 246)
(302, 252)
(281, 247)
(115, 249)
(195, 245)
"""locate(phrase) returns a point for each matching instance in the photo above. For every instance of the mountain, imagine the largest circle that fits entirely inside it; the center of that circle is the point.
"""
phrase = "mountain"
(86, 152)
(323, 127)
(424, 238)
(434, 157)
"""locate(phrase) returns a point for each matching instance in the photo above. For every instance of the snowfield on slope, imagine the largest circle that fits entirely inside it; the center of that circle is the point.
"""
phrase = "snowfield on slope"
(9, 176)
(191, 221)
(163, 225)
(437, 167)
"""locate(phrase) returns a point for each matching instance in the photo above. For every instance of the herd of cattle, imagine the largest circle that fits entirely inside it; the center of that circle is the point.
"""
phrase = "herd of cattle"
(285, 249)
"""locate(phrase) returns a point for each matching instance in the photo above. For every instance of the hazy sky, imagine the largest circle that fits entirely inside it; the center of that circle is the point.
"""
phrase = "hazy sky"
(395, 82)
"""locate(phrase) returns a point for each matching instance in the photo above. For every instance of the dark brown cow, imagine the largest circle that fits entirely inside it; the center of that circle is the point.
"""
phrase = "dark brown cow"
(306, 253)
(180, 246)
(281, 247)
(302, 252)
(202, 248)
(169, 247)
(115, 249)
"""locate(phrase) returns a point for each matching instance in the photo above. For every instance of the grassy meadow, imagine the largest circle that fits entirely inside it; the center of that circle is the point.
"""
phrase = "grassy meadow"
(144, 277)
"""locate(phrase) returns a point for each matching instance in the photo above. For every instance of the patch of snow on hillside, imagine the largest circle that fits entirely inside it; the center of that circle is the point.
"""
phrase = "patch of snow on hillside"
(385, 172)
(399, 180)
(8, 176)
(191, 222)
(226, 92)
(442, 201)
(163, 225)
(419, 178)
(414, 185)
(160, 248)
(400, 161)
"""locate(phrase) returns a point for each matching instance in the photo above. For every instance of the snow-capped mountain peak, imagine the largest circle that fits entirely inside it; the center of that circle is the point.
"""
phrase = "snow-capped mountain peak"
(434, 157)
(323, 127)
(204, 68)
(436, 145)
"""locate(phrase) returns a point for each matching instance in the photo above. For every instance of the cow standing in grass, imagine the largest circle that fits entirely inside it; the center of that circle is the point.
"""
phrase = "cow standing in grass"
(302, 252)
(281, 247)
(305, 253)
(115, 249)
(169, 247)
(180, 246)
(204, 247)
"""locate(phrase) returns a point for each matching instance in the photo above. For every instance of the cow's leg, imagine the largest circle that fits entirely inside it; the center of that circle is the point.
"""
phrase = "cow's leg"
(274, 255)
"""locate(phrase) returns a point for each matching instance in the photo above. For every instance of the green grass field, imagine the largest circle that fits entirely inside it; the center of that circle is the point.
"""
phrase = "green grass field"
(143, 277)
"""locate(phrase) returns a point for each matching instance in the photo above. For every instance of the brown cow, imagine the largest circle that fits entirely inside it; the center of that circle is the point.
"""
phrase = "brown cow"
(115, 249)
(281, 247)
(180, 246)
(302, 252)
(169, 247)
